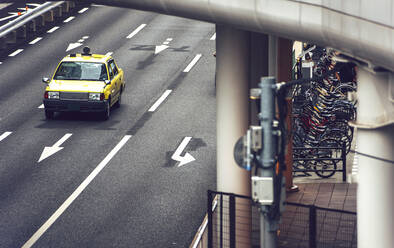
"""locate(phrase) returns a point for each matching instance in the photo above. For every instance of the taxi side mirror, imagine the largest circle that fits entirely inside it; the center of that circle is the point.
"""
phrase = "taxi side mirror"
(45, 80)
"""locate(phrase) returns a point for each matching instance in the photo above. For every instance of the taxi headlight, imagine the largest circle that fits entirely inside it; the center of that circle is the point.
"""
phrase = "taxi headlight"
(53, 95)
(94, 96)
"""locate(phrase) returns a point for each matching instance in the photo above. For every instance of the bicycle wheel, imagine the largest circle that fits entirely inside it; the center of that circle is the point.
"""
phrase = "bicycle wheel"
(326, 168)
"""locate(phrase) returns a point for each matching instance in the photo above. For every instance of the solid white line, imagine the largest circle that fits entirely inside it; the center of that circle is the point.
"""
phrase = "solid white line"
(16, 53)
(75, 194)
(160, 100)
(82, 10)
(4, 135)
(213, 37)
(52, 30)
(35, 41)
(69, 19)
(41, 106)
(136, 31)
(194, 61)
(63, 139)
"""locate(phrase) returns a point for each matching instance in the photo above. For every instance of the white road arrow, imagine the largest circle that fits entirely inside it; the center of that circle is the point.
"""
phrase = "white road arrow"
(73, 46)
(177, 155)
(160, 48)
(50, 150)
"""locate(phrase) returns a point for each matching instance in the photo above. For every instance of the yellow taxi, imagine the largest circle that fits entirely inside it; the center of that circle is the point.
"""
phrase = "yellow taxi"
(84, 83)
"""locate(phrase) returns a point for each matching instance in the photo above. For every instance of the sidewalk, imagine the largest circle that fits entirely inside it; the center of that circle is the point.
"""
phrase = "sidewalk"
(341, 196)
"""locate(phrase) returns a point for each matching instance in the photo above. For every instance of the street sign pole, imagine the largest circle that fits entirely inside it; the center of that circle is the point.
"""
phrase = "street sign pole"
(268, 226)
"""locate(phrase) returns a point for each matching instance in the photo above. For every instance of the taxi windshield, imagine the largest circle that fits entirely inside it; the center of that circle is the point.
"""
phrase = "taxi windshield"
(81, 71)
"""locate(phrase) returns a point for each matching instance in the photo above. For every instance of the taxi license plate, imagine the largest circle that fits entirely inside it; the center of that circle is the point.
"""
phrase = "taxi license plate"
(74, 107)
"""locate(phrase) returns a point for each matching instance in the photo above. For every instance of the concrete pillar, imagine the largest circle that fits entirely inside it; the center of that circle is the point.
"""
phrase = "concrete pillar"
(375, 137)
(232, 96)
(232, 101)
(284, 74)
(258, 69)
(48, 16)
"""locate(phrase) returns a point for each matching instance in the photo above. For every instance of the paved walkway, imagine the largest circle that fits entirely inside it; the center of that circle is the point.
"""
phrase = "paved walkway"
(342, 196)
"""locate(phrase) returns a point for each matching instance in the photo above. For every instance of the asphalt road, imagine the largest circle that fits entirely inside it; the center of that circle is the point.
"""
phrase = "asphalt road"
(113, 183)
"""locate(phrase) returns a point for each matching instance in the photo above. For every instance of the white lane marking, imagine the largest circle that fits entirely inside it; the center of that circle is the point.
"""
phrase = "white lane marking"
(50, 150)
(35, 40)
(69, 19)
(81, 40)
(160, 100)
(75, 194)
(72, 46)
(16, 53)
(213, 37)
(109, 53)
(160, 48)
(166, 42)
(4, 135)
(41, 106)
(52, 30)
(169, 39)
(136, 31)
(82, 10)
(177, 154)
(85, 37)
(194, 61)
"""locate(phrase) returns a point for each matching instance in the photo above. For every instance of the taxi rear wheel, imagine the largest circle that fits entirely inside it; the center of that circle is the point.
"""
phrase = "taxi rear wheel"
(49, 114)
(119, 101)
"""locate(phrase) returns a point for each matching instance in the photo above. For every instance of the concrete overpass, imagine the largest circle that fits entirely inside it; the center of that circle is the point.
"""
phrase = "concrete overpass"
(361, 29)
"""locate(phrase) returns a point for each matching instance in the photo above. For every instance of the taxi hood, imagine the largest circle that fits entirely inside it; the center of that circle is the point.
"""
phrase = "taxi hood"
(76, 86)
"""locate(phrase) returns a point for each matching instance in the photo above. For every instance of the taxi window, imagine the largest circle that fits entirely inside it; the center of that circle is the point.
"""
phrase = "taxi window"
(112, 65)
(81, 71)
(111, 73)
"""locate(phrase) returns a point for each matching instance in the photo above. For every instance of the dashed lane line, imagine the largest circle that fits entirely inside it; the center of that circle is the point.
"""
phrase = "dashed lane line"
(213, 37)
(15, 53)
(136, 31)
(35, 40)
(75, 194)
(53, 29)
(69, 19)
(82, 10)
(192, 63)
(4, 135)
(160, 100)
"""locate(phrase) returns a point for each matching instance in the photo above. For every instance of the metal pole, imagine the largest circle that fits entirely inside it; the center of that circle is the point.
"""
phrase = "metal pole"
(268, 238)
(344, 169)
(210, 224)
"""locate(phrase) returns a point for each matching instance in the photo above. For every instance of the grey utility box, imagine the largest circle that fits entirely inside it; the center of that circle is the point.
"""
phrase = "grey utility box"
(263, 190)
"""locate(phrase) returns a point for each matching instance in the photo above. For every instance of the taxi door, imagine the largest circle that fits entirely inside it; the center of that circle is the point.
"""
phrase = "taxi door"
(115, 80)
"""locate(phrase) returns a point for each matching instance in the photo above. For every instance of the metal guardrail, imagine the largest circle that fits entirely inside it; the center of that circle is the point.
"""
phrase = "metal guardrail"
(302, 226)
(316, 158)
(27, 17)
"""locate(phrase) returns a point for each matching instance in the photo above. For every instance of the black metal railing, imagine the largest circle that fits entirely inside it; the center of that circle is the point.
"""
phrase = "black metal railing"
(315, 159)
(233, 221)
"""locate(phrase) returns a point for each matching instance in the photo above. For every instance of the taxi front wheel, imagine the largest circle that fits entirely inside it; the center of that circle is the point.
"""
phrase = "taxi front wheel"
(49, 114)
(107, 111)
